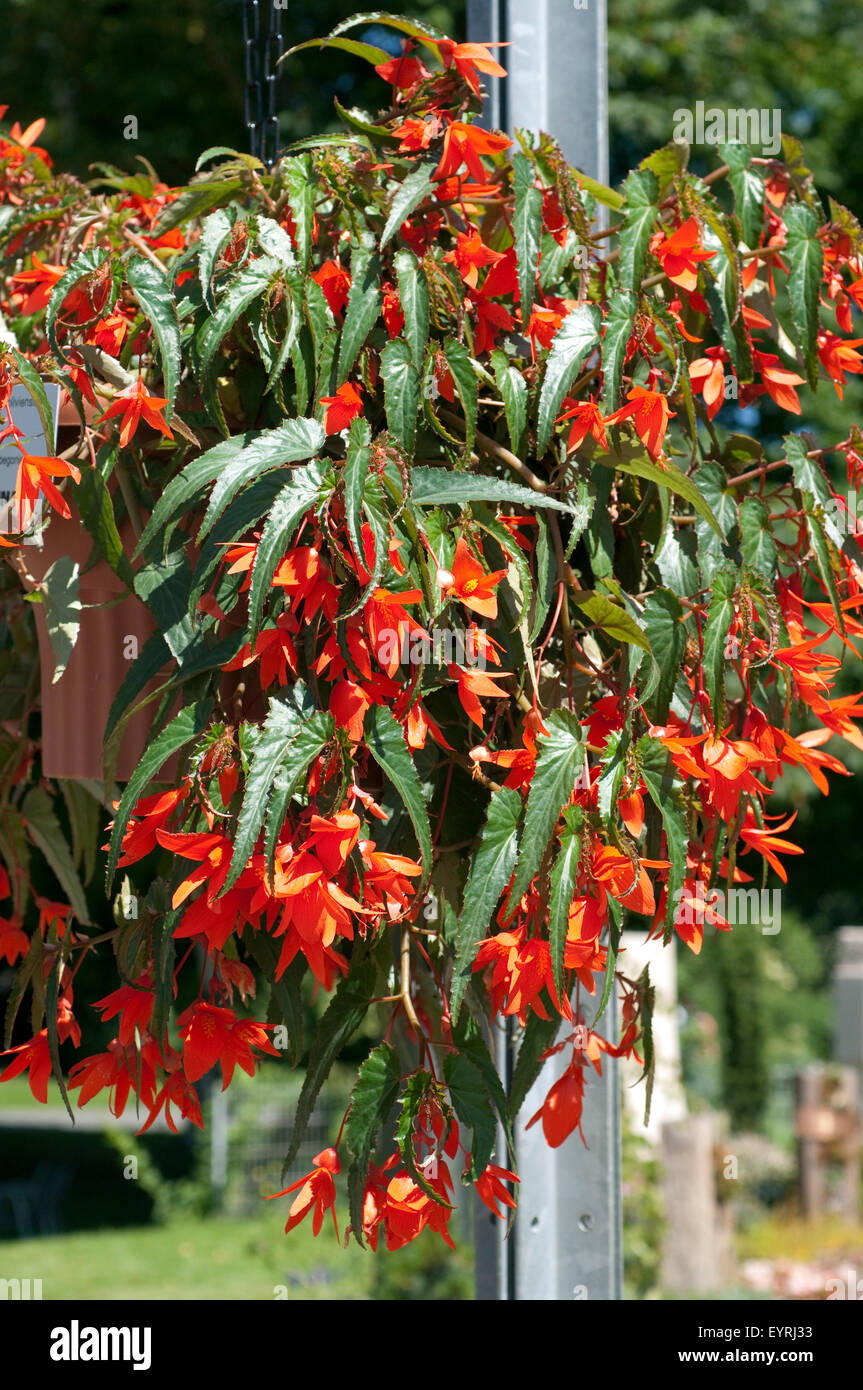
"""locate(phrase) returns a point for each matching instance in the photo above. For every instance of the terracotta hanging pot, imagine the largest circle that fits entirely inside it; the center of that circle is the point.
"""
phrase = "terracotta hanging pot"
(114, 625)
(75, 709)
(68, 418)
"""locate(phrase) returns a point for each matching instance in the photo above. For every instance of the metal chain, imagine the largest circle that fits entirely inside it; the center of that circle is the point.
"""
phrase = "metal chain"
(272, 53)
(262, 121)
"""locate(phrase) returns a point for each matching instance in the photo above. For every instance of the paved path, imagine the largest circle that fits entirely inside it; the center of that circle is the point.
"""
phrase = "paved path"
(85, 1120)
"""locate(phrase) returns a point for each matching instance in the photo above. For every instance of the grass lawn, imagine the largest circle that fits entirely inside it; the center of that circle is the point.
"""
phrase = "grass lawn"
(194, 1259)
(16, 1095)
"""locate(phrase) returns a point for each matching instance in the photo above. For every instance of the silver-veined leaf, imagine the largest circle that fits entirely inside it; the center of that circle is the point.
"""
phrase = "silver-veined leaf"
(293, 734)
(527, 229)
(305, 488)
(409, 194)
(563, 875)
(183, 728)
(386, 742)
(573, 343)
(153, 293)
(560, 760)
(490, 872)
(641, 189)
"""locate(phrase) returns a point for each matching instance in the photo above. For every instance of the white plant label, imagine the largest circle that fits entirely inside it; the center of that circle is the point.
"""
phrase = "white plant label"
(25, 416)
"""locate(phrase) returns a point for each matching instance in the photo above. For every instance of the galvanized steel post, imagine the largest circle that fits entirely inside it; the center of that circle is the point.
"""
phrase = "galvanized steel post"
(566, 1242)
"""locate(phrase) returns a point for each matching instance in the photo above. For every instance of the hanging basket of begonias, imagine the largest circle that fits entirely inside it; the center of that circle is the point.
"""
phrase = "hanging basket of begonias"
(477, 634)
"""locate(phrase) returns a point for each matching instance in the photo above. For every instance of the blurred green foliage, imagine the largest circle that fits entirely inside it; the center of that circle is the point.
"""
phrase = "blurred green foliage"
(177, 65)
(643, 1218)
(191, 1195)
(803, 59)
(424, 1271)
(744, 1065)
(770, 998)
(98, 1195)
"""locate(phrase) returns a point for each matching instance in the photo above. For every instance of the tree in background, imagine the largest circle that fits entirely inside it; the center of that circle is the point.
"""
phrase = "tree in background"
(176, 67)
(664, 55)
(744, 1061)
(801, 58)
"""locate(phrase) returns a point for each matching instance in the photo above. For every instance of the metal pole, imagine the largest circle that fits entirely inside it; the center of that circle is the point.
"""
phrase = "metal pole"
(557, 68)
(848, 999)
(568, 1229)
(493, 1253)
(218, 1144)
(567, 1237)
(566, 1241)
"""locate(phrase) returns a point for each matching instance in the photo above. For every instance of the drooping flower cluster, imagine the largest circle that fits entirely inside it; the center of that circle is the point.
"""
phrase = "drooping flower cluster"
(484, 633)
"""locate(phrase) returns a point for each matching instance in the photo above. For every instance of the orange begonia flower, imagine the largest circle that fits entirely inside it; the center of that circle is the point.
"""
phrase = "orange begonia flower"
(343, 407)
(587, 419)
(214, 854)
(778, 381)
(332, 838)
(34, 1058)
(561, 1110)
(416, 134)
(348, 705)
(14, 941)
(837, 357)
(408, 1209)
(134, 404)
(335, 282)
(40, 281)
(390, 626)
(464, 144)
(471, 684)
(470, 255)
(767, 841)
(317, 1191)
(118, 1071)
(470, 59)
(404, 71)
(471, 584)
(179, 1091)
(134, 1003)
(211, 1034)
(388, 877)
(650, 414)
(707, 375)
(34, 476)
(490, 1189)
(630, 885)
(274, 649)
(542, 326)
(679, 254)
(149, 815)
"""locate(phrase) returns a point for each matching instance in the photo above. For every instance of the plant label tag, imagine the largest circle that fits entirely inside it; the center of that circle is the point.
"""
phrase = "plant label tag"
(23, 413)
